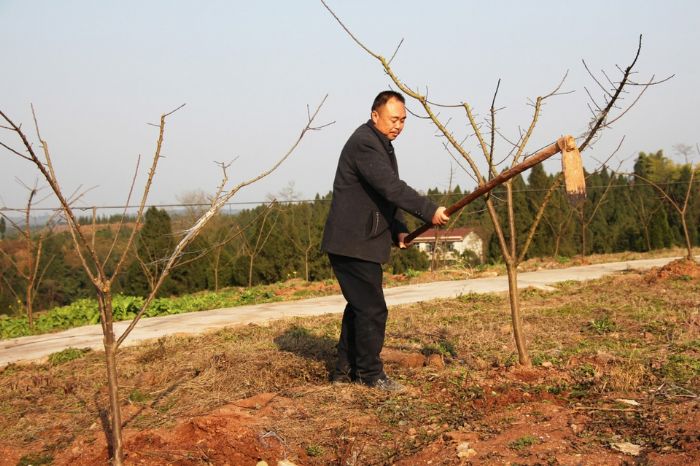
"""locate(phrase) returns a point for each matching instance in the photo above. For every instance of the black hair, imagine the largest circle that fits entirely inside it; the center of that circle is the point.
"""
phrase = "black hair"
(384, 96)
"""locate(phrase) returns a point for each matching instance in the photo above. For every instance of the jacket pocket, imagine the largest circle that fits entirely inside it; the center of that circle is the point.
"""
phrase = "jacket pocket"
(376, 224)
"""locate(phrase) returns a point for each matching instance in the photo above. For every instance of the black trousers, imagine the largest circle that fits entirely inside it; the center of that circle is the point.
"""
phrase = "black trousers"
(364, 319)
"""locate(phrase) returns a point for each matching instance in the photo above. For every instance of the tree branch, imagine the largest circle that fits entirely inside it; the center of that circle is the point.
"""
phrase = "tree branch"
(192, 232)
(604, 114)
(146, 191)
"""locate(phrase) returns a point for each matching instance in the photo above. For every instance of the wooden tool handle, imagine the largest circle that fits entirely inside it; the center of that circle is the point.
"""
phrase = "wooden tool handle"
(541, 156)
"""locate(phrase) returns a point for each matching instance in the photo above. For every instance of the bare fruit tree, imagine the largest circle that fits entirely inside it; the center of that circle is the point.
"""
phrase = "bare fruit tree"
(253, 247)
(301, 219)
(31, 266)
(605, 111)
(679, 203)
(95, 266)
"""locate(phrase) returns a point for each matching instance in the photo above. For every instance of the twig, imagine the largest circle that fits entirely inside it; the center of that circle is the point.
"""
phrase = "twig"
(396, 51)
(604, 114)
(593, 408)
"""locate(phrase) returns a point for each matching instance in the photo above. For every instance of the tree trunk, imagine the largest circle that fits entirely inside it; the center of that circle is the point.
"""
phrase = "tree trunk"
(516, 318)
(114, 406)
(584, 228)
(645, 225)
(557, 242)
(647, 238)
(250, 270)
(306, 265)
(688, 244)
(112, 383)
(513, 293)
(217, 260)
(30, 304)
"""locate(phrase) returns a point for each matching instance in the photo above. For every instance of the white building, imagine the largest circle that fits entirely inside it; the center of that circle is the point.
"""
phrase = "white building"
(451, 243)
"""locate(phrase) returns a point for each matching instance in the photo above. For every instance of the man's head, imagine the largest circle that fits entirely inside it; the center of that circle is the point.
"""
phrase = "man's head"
(389, 113)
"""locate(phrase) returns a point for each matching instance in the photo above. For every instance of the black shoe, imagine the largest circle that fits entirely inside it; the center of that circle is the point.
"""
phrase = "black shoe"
(388, 385)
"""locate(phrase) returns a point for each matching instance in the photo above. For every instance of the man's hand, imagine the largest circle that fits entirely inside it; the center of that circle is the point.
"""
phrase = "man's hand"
(439, 217)
(402, 241)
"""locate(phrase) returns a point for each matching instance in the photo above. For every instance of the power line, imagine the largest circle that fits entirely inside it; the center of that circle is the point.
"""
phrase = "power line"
(302, 201)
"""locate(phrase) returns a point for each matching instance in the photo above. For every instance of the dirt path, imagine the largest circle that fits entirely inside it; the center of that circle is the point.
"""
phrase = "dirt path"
(38, 347)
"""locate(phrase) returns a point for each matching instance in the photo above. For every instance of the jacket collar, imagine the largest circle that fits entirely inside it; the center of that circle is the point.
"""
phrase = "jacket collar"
(385, 140)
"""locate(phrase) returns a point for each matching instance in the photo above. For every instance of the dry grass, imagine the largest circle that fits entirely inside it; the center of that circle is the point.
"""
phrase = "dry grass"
(625, 336)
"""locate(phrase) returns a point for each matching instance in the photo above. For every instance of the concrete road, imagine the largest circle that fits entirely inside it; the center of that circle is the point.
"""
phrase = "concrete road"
(38, 347)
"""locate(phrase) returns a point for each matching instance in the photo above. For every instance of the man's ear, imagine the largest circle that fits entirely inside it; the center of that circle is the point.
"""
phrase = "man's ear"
(375, 116)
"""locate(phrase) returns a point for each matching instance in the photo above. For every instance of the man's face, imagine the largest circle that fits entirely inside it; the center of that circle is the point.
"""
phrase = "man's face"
(389, 118)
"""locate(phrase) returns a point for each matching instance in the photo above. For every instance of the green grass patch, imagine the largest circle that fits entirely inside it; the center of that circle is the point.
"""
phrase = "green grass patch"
(681, 368)
(477, 298)
(565, 310)
(442, 347)
(523, 442)
(68, 354)
(136, 396)
(314, 450)
(602, 325)
(35, 459)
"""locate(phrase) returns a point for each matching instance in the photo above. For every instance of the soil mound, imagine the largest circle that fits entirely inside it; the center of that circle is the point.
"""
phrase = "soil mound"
(681, 269)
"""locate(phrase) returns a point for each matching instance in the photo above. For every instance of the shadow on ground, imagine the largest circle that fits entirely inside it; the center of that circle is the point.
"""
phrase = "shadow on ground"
(303, 342)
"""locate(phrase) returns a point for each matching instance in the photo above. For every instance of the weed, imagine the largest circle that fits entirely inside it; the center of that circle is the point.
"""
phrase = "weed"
(137, 396)
(395, 410)
(68, 354)
(35, 459)
(681, 368)
(165, 407)
(557, 389)
(298, 332)
(443, 347)
(314, 450)
(584, 373)
(473, 298)
(585, 376)
(472, 392)
(685, 346)
(602, 325)
(539, 358)
(410, 273)
(578, 392)
(511, 360)
(304, 293)
(455, 319)
(565, 284)
(9, 370)
(531, 292)
(523, 442)
(568, 309)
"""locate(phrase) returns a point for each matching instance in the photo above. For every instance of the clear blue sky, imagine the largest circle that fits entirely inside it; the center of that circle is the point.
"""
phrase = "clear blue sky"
(97, 72)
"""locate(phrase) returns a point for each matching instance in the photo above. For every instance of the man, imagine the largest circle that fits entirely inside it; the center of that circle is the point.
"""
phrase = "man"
(363, 221)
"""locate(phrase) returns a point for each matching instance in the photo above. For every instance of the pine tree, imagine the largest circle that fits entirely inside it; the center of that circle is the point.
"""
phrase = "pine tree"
(538, 184)
(155, 241)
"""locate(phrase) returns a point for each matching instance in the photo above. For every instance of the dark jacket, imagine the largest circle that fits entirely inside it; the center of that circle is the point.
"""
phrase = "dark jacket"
(364, 218)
